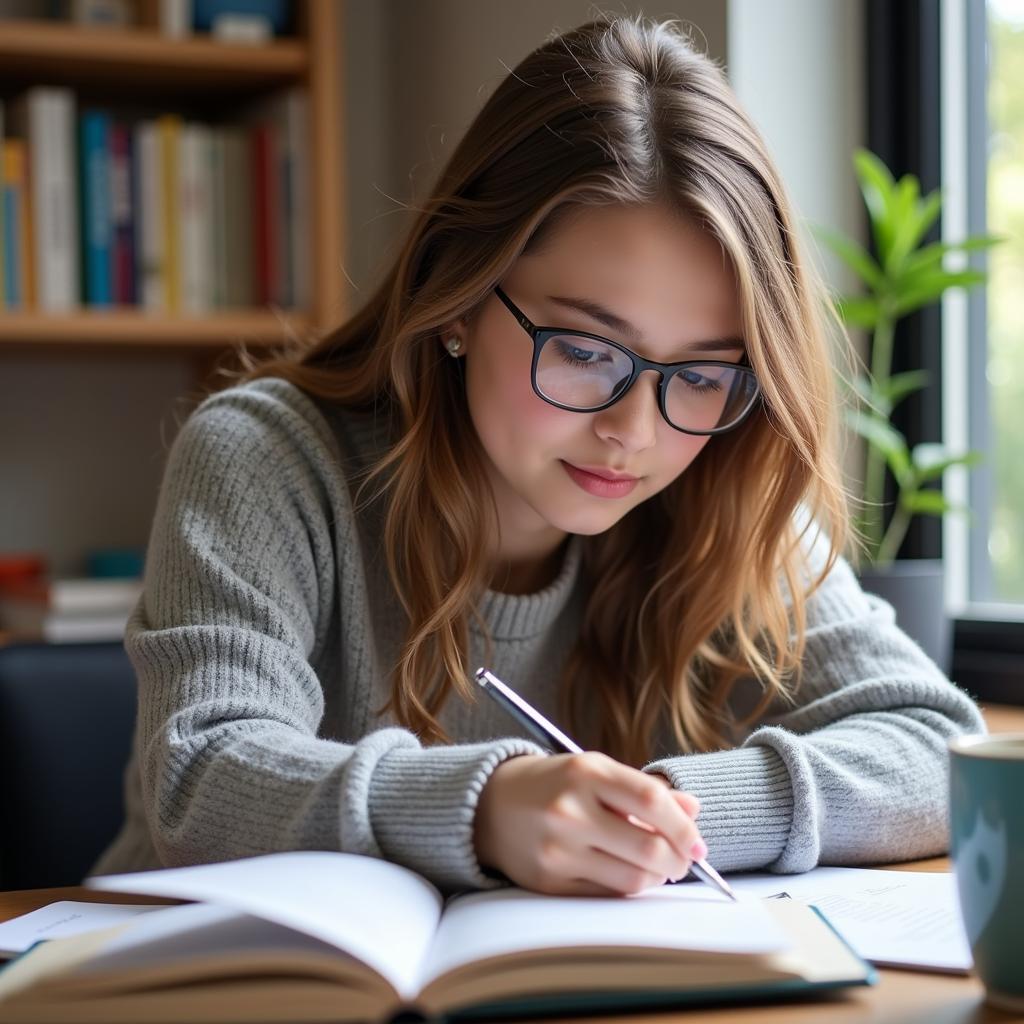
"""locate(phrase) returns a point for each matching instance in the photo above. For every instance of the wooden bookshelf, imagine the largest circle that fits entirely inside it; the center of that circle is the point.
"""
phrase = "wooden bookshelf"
(130, 327)
(141, 60)
(70, 54)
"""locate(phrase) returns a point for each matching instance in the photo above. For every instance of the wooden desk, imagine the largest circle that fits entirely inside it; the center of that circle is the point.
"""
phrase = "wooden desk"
(900, 997)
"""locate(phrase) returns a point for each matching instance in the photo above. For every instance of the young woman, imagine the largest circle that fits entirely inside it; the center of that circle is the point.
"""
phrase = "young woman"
(584, 434)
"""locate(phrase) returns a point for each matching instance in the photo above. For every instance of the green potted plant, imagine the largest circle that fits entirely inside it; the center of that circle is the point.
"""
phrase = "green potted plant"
(904, 275)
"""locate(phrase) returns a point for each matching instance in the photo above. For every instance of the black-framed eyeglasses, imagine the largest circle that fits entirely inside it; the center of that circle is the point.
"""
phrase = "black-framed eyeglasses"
(584, 372)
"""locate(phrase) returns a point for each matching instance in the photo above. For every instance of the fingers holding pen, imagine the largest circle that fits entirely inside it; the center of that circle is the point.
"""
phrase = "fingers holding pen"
(583, 823)
(660, 815)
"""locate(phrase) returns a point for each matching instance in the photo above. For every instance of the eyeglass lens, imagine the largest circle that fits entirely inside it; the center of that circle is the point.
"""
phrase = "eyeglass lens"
(583, 373)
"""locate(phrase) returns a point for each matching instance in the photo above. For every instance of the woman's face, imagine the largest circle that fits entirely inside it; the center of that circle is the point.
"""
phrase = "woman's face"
(656, 272)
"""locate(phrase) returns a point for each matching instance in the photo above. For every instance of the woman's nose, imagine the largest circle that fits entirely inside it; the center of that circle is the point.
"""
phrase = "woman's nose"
(632, 422)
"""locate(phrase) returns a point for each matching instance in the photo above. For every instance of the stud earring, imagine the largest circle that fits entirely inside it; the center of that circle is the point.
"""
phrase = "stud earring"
(454, 345)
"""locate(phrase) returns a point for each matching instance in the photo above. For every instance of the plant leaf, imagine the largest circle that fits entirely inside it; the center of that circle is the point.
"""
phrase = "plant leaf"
(854, 255)
(858, 310)
(877, 187)
(904, 218)
(902, 384)
(877, 431)
(930, 460)
(930, 256)
(930, 287)
(927, 502)
(912, 229)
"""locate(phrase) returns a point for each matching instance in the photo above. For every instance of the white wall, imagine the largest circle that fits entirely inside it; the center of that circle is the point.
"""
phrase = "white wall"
(415, 89)
(798, 68)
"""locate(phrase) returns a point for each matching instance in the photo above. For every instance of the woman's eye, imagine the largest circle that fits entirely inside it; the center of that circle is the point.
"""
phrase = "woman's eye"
(577, 355)
(698, 382)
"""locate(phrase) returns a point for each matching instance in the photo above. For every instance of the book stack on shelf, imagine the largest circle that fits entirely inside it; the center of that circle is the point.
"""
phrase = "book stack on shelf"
(165, 214)
(34, 607)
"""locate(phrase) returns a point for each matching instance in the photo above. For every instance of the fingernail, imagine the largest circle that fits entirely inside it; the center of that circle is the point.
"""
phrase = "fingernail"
(699, 850)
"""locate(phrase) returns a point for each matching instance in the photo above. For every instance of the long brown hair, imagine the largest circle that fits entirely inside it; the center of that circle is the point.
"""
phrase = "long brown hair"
(704, 583)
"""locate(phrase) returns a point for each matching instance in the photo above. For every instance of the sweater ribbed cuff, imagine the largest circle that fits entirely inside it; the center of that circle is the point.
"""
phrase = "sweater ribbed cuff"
(422, 803)
(746, 803)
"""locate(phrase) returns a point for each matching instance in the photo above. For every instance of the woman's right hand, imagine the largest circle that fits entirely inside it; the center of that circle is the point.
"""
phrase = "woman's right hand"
(584, 824)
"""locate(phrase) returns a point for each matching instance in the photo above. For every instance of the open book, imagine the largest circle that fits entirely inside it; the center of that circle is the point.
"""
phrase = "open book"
(313, 936)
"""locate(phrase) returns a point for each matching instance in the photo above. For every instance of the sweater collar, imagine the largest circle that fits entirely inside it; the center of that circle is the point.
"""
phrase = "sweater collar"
(520, 616)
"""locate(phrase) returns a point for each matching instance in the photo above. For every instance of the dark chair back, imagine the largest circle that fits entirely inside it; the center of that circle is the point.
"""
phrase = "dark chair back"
(67, 712)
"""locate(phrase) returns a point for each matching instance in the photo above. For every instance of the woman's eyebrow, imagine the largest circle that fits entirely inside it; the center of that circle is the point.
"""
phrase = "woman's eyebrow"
(623, 327)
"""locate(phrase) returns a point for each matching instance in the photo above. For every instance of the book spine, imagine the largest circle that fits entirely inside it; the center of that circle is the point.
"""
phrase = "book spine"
(170, 136)
(240, 225)
(149, 220)
(15, 191)
(220, 216)
(122, 206)
(63, 630)
(263, 214)
(282, 205)
(209, 212)
(51, 133)
(176, 18)
(96, 203)
(92, 597)
(194, 198)
(299, 181)
(3, 219)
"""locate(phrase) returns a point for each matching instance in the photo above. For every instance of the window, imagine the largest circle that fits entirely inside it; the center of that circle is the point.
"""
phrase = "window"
(982, 57)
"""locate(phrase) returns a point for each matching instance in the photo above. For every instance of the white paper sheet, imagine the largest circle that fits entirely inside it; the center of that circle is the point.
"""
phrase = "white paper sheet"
(892, 918)
(60, 919)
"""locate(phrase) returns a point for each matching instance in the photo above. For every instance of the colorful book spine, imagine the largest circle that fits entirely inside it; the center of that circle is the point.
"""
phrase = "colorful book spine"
(15, 191)
(122, 212)
(170, 128)
(264, 221)
(160, 214)
(97, 251)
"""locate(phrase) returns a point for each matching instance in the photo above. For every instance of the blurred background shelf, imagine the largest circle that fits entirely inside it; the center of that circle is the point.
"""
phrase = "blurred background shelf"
(135, 329)
(66, 54)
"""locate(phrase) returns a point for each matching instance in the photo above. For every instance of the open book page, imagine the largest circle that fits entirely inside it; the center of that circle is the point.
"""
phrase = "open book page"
(61, 919)
(381, 913)
(892, 918)
(197, 932)
(499, 923)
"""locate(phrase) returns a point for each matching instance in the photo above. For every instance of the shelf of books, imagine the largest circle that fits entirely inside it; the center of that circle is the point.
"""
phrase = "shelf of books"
(171, 182)
(179, 191)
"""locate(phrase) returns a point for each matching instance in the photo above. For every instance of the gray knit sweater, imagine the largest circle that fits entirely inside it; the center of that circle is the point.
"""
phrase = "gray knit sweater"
(268, 624)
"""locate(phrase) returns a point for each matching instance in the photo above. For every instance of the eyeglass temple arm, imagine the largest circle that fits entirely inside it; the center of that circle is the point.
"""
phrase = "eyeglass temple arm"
(523, 319)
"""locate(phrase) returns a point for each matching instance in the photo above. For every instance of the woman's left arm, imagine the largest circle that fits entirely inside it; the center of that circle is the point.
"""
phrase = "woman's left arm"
(856, 771)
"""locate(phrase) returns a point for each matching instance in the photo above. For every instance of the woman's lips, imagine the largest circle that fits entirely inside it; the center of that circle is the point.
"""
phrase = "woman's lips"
(600, 486)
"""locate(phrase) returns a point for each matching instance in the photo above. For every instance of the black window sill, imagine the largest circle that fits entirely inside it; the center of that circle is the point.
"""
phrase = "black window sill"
(988, 659)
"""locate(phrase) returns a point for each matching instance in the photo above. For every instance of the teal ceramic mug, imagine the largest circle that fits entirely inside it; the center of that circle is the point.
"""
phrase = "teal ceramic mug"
(987, 847)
